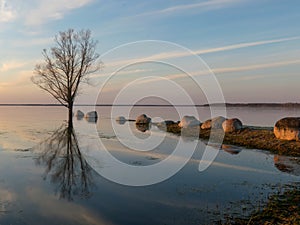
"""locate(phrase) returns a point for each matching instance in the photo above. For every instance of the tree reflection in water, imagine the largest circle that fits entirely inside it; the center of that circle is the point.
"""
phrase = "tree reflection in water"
(65, 165)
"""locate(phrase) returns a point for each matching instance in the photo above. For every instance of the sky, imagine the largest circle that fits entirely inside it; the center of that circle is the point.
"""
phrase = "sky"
(248, 49)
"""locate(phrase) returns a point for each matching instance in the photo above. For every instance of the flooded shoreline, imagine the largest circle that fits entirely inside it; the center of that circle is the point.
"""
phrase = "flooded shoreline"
(39, 184)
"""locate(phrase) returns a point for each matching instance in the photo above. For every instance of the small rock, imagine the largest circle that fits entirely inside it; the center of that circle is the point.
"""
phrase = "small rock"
(232, 125)
(189, 121)
(142, 119)
(121, 120)
(288, 129)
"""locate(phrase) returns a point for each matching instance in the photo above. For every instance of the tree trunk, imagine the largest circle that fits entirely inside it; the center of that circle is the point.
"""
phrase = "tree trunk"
(70, 114)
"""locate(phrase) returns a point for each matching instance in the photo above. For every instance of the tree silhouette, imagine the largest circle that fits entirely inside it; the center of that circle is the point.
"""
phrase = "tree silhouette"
(70, 61)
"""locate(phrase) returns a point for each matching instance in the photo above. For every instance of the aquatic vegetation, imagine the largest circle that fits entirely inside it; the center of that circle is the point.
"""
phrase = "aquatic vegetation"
(281, 208)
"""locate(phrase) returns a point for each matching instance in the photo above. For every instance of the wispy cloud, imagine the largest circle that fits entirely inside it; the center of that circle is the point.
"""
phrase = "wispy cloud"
(22, 78)
(11, 65)
(38, 12)
(245, 45)
(186, 53)
(168, 55)
(218, 71)
(48, 10)
(225, 70)
(112, 66)
(203, 5)
(134, 71)
(256, 66)
(7, 14)
(254, 77)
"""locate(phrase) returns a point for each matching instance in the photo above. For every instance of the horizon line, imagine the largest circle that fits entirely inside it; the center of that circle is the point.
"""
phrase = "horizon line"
(161, 105)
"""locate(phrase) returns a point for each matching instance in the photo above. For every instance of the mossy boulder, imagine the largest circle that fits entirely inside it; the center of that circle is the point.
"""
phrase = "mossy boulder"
(288, 129)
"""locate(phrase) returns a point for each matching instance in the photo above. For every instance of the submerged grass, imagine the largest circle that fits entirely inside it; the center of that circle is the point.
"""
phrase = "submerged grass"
(248, 137)
(281, 208)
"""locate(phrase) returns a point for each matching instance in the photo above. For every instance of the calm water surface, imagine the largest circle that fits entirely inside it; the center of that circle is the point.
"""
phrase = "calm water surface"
(46, 177)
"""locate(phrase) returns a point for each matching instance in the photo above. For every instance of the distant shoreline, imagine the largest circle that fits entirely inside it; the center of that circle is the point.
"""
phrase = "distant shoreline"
(284, 105)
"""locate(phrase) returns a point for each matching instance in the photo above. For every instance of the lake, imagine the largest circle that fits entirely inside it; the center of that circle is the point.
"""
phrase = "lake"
(54, 174)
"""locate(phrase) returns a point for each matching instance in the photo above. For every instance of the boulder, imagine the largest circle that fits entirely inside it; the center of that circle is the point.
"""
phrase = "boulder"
(92, 114)
(206, 125)
(232, 125)
(142, 119)
(79, 114)
(189, 121)
(288, 129)
(216, 123)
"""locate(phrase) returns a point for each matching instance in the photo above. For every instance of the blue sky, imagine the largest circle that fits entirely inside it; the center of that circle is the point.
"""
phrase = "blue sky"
(251, 46)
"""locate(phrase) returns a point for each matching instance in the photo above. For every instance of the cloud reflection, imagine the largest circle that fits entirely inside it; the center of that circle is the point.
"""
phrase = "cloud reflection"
(7, 197)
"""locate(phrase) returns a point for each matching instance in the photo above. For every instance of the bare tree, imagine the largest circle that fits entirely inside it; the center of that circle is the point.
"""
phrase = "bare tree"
(70, 61)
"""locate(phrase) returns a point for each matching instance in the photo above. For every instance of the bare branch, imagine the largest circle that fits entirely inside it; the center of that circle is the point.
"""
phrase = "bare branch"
(69, 63)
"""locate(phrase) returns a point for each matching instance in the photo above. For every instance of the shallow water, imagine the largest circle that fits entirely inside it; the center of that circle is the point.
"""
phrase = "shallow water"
(43, 181)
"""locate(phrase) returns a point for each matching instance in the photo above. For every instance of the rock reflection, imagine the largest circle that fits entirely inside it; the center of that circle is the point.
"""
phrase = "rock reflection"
(143, 127)
(91, 119)
(65, 165)
(121, 122)
(287, 164)
(233, 150)
(190, 134)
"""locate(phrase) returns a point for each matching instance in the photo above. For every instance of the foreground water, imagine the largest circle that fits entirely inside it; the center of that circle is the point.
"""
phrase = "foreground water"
(43, 181)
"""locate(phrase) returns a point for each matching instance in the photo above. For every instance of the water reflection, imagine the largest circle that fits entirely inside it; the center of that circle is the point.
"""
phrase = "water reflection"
(143, 127)
(79, 117)
(233, 150)
(287, 164)
(91, 119)
(65, 165)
